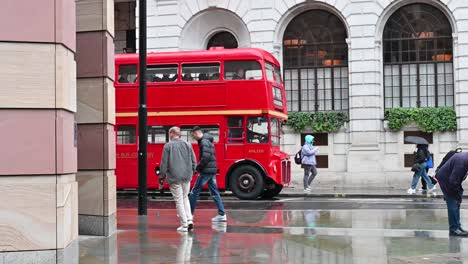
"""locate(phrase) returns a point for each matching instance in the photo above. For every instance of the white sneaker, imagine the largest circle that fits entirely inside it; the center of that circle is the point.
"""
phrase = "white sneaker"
(432, 190)
(182, 229)
(220, 227)
(411, 191)
(307, 190)
(219, 218)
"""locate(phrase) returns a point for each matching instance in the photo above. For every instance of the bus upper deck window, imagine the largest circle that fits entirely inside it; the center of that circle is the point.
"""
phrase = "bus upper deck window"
(200, 72)
(270, 72)
(161, 73)
(278, 75)
(242, 70)
(127, 73)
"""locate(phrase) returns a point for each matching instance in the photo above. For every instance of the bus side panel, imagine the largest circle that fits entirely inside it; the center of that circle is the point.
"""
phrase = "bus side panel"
(127, 164)
(209, 95)
(154, 160)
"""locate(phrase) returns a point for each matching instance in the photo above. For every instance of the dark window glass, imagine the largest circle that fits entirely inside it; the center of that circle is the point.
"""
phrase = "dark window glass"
(242, 70)
(322, 161)
(126, 134)
(161, 73)
(186, 132)
(315, 61)
(200, 72)
(222, 39)
(235, 129)
(157, 134)
(418, 53)
(127, 73)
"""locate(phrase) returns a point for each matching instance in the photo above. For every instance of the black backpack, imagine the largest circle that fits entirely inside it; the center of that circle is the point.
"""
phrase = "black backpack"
(298, 157)
(447, 157)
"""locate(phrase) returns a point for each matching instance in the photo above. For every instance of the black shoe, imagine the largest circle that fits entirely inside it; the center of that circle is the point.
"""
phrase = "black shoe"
(458, 233)
(190, 227)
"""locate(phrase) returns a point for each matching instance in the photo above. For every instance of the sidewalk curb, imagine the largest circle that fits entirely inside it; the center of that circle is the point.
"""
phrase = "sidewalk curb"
(356, 195)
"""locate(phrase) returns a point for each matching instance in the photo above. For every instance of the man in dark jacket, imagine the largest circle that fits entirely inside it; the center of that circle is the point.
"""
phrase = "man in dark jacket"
(450, 177)
(207, 168)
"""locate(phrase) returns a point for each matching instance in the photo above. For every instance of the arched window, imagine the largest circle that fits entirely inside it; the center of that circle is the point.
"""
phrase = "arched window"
(222, 39)
(315, 60)
(418, 53)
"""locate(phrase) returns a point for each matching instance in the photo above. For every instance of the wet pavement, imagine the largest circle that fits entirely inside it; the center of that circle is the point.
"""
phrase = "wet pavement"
(292, 230)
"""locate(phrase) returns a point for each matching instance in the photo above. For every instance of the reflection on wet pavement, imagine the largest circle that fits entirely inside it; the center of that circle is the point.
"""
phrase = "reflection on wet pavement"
(281, 236)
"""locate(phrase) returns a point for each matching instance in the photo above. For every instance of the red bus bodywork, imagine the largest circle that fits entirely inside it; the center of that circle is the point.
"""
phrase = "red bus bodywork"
(207, 103)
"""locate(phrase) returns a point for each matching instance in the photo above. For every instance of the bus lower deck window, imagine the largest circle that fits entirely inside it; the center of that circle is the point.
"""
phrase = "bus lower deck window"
(126, 134)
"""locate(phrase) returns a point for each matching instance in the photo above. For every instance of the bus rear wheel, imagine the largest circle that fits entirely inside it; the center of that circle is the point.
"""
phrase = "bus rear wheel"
(272, 192)
(247, 182)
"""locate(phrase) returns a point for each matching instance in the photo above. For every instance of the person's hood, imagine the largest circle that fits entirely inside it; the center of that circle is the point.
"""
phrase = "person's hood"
(208, 136)
(309, 139)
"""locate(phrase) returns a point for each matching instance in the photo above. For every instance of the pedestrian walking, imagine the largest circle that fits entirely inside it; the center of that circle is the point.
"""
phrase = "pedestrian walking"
(430, 165)
(450, 177)
(309, 162)
(177, 167)
(419, 167)
(207, 168)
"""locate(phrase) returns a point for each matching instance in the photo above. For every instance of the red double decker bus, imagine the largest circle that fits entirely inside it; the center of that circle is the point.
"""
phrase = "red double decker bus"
(236, 95)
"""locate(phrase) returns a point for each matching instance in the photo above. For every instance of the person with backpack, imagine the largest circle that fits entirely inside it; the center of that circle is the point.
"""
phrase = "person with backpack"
(430, 165)
(419, 168)
(450, 177)
(309, 162)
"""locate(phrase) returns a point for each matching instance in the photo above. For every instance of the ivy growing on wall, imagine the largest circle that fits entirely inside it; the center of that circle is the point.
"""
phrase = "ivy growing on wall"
(326, 122)
(441, 119)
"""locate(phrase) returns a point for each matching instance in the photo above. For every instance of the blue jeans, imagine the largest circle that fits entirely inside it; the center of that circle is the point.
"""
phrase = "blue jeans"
(421, 173)
(453, 209)
(195, 193)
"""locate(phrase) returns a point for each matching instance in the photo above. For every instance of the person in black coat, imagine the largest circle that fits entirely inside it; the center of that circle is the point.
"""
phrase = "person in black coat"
(450, 177)
(420, 165)
(207, 168)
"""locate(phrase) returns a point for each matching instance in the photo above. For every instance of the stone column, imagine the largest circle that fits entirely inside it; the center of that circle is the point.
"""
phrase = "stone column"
(460, 46)
(365, 99)
(38, 189)
(96, 117)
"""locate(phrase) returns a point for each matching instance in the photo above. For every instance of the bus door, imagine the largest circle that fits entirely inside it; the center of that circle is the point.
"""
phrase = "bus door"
(234, 143)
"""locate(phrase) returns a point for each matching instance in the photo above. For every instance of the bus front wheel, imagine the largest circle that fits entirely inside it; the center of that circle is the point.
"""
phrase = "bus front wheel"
(247, 182)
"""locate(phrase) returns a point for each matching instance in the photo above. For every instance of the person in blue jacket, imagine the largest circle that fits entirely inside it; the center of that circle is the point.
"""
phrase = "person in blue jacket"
(309, 162)
(450, 177)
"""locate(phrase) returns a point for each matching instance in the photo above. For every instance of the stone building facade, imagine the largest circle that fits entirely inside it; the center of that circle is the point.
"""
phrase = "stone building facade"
(374, 53)
(57, 118)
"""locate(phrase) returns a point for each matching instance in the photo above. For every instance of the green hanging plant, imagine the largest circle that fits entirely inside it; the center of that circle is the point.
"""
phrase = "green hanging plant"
(322, 122)
(442, 119)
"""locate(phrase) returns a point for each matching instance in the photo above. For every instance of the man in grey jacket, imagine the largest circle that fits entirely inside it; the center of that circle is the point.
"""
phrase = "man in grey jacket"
(177, 167)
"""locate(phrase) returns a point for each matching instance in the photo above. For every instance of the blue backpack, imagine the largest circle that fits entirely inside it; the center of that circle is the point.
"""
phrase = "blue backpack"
(430, 162)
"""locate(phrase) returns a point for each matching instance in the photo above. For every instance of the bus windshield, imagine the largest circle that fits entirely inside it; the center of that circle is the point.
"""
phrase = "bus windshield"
(257, 129)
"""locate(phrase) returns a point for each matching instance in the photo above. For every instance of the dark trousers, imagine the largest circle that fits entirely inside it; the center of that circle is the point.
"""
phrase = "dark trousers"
(453, 209)
(423, 182)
